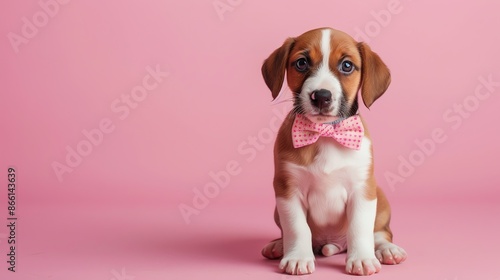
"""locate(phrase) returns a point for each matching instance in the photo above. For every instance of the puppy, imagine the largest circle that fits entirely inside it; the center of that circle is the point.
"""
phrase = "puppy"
(327, 200)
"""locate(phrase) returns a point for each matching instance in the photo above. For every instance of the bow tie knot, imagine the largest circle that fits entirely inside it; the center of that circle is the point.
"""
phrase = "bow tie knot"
(348, 132)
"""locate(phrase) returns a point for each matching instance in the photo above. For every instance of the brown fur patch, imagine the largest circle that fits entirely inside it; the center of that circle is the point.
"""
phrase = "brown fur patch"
(273, 68)
(376, 77)
(371, 184)
(285, 152)
(309, 43)
(383, 217)
(344, 47)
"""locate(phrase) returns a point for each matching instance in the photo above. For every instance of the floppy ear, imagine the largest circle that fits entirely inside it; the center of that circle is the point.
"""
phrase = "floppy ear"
(375, 76)
(273, 69)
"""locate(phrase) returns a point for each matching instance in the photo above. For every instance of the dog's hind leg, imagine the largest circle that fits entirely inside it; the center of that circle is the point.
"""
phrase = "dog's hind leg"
(273, 250)
(385, 251)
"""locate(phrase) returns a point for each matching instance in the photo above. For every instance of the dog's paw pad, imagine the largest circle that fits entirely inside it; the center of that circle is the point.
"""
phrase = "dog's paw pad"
(390, 254)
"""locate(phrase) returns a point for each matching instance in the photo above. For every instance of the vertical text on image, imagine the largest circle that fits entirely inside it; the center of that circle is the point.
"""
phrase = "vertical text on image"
(12, 218)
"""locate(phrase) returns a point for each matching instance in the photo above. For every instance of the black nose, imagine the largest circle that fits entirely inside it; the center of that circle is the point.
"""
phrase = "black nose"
(321, 98)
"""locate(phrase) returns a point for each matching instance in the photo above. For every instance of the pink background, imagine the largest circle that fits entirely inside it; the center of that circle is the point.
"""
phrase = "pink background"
(119, 208)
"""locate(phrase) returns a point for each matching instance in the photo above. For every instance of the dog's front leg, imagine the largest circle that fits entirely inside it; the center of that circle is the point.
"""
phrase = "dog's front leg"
(298, 256)
(361, 214)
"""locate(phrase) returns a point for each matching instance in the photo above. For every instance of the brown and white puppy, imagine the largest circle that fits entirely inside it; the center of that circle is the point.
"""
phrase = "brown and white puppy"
(327, 200)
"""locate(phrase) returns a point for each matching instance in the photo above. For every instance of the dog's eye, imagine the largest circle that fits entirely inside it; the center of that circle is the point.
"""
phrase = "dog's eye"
(301, 65)
(346, 67)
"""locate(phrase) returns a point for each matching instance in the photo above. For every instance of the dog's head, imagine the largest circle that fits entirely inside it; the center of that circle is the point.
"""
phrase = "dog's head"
(325, 68)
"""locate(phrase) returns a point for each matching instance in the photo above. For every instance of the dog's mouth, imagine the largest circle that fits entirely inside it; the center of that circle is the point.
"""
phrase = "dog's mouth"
(324, 115)
(322, 118)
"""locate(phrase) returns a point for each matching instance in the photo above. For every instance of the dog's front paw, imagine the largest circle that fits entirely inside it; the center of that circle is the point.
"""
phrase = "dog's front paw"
(362, 265)
(298, 263)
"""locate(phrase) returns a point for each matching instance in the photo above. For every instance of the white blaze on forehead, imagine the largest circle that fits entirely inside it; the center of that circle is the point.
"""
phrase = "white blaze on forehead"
(325, 47)
(325, 76)
(322, 79)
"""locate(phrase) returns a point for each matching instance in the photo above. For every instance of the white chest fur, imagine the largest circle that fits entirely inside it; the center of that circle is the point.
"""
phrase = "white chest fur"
(324, 186)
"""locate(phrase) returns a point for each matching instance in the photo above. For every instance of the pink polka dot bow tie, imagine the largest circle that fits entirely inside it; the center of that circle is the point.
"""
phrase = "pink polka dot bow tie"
(348, 132)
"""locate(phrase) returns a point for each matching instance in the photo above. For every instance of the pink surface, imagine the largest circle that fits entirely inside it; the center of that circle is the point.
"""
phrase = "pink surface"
(164, 100)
